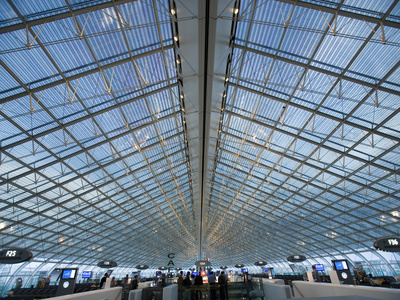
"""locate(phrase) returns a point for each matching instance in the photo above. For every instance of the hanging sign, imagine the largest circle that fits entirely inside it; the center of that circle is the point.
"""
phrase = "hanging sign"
(389, 244)
(142, 267)
(203, 263)
(14, 256)
(296, 258)
(107, 264)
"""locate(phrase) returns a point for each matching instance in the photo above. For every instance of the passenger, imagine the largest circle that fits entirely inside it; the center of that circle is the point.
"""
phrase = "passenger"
(103, 280)
(180, 284)
(211, 282)
(198, 281)
(315, 274)
(180, 279)
(163, 282)
(226, 285)
(222, 284)
(125, 280)
(113, 282)
(135, 282)
(187, 283)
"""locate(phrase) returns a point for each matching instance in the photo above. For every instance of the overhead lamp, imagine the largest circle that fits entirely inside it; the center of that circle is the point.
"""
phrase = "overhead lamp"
(178, 61)
(173, 11)
(182, 96)
(236, 11)
(176, 38)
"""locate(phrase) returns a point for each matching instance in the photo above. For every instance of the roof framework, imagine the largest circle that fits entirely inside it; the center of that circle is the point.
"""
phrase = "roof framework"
(130, 130)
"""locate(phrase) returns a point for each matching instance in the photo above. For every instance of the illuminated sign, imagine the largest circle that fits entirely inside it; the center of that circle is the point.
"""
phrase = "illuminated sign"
(142, 267)
(107, 264)
(87, 274)
(390, 244)
(14, 256)
(296, 258)
(203, 263)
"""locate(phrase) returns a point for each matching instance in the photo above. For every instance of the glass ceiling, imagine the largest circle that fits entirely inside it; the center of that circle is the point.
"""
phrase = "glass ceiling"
(103, 139)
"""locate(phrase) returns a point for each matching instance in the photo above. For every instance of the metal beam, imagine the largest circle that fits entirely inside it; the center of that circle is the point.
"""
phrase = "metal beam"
(76, 76)
(96, 113)
(343, 13)
(61, 16)
(317, 112)
(320, 70)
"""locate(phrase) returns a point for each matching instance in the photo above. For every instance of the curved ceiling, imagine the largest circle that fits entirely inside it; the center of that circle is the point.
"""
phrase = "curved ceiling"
(234, 131)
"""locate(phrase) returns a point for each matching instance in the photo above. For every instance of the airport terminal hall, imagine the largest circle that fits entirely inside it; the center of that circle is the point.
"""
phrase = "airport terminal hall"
(199, 149)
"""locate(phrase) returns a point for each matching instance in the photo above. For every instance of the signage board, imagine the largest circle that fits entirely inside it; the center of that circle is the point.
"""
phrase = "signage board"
(87, 274)
(389, 244)
(107, 264)
(296, 258)
(66, 285)
(142, 267)
(14, 256)
(203, 263)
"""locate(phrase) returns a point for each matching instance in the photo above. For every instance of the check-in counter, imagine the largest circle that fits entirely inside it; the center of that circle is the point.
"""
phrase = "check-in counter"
(145, 284)
(113, 293)
(275, 289)
(305, 289)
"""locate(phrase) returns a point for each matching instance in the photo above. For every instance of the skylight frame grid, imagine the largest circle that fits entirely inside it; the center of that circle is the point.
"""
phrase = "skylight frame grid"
(381, 60)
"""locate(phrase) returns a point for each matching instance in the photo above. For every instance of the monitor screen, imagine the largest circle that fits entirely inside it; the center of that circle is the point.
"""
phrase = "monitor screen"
(195, 274)
(319, 267)
(341, 265)
(68, 274)
(244, 270)
(87, 274)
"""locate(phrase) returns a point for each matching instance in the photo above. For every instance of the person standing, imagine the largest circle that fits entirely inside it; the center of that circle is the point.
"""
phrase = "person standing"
(103, 280)
(315, 274)
(180, 285)
(187, 283)
(211, 282)
(222, 283)
(180, 279)
(226, 285)
(198, 282)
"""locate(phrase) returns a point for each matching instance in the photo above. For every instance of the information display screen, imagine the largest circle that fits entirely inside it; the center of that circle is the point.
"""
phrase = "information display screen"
(341, 265)
(87, 274)
(244, 270)
(319, 267)
(195, 274)
(68, 274)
